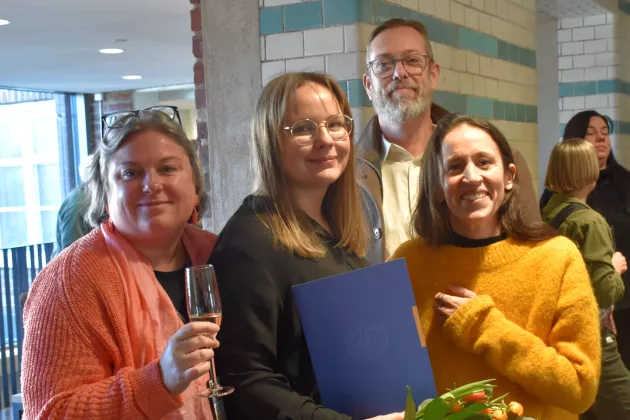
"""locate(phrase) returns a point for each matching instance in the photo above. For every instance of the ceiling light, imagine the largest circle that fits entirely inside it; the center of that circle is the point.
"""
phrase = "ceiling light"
(132, 77)
(4, 22)
(111, 51)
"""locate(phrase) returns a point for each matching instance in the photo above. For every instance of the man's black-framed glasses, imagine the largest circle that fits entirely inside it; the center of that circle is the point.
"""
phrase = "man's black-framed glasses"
(305, 131)
(414, 64)
(117, 119)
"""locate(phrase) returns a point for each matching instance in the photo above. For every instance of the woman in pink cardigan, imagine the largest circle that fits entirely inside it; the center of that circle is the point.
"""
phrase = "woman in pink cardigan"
(106, 327)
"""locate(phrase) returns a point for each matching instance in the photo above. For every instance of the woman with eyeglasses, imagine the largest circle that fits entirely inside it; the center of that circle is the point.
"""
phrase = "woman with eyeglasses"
(106, 327)
(304, 222)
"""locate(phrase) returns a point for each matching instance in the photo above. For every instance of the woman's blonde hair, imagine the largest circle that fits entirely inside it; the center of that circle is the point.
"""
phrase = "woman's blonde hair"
(96, 184)
(573, 165)
(342, 208)
(431, 216)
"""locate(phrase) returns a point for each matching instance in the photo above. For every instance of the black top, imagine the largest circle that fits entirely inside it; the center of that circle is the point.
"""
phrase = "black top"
(174, 284)
(464, 242)
(263, 352)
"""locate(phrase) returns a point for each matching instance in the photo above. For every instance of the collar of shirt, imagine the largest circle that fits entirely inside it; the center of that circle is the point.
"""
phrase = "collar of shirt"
(395, 153)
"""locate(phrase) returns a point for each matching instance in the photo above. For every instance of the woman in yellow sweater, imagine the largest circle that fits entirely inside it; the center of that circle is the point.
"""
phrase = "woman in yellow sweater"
(498, 298)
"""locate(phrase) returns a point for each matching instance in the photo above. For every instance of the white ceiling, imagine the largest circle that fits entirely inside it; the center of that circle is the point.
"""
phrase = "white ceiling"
(561, 9)
(53, 44)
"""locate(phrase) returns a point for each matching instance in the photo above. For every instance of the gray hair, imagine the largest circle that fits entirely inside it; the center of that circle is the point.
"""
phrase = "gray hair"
(96, 185)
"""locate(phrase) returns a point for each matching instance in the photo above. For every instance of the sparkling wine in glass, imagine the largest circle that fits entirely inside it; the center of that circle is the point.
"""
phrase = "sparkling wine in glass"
(204, 304)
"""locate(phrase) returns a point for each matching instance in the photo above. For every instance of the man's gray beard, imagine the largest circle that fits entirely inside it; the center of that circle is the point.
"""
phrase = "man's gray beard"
(400, 110)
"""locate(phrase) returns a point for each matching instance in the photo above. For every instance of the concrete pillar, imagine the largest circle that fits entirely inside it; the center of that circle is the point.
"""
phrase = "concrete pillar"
(228, 82)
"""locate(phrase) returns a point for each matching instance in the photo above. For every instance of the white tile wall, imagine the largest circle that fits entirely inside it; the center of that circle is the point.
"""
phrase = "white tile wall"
(490, 6)
(492, 88)
(595, 73)
(315, 64)
(569, 76)
(472, 18)
(443, 9)
(356, 36)
(449, 80)
(596, 101)
(572, 48)
(459, 59)
(286, 45)
(574, 102)
(271, 69)
(346, 66)
(565, 63)
(457, 14)
(466, 84)
(270, 3)
(479, 86)
(427, 7)
(583, 34)
(472, 62)
(572, 23)
(582, 61)
(595, 46)
(564, 35)
(595, 20)
(604, 32)
(324, 41)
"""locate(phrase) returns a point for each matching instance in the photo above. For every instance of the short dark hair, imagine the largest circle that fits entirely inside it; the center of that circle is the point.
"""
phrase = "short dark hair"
(430, 217)
(399, 23)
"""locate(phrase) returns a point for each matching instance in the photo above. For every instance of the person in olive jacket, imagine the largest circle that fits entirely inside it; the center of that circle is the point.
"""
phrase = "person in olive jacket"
(571, 175)
(611, 199)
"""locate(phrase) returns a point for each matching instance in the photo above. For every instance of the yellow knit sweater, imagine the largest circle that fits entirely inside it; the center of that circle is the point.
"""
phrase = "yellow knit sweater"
(534, 325)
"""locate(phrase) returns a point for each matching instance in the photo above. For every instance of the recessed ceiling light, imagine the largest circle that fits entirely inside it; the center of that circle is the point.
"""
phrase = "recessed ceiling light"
(4, 22)
(111, 51)
(132, 77)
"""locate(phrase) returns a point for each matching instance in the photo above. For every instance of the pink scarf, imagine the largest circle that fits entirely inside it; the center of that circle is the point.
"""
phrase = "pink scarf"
(153, 318)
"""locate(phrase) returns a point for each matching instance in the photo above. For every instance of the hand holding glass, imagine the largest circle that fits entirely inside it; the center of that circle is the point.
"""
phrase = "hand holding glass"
(204, 304)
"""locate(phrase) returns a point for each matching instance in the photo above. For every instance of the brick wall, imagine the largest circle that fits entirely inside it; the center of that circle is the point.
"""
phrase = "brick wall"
(594, 72)
(110, 102)
(486, 49)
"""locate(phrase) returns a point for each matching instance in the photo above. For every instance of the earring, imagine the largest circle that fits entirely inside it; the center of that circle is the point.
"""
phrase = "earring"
(195, 213)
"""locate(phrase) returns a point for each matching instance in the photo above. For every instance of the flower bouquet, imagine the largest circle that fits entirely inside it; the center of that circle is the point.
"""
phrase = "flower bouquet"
(472, 401)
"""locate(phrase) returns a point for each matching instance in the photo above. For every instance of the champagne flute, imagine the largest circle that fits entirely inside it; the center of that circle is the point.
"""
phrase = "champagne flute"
(204, 304)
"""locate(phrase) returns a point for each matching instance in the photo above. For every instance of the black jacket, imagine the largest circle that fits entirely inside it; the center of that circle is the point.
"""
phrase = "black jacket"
(611, 198)
(263, 352)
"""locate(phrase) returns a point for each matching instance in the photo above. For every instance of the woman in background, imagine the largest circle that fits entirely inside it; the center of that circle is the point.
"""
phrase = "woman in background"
(571, 174)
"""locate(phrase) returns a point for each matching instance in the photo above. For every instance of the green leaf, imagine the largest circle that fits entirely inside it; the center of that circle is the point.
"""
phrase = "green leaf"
(435, 410)
(410, 406)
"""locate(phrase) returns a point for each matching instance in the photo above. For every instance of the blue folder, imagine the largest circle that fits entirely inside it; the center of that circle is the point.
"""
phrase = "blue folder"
(364, 338)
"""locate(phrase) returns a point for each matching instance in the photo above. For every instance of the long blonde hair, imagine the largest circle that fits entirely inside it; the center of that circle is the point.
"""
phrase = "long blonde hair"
(342, 203)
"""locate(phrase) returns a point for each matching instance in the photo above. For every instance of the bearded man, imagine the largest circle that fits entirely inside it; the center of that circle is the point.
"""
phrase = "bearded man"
(400, 77)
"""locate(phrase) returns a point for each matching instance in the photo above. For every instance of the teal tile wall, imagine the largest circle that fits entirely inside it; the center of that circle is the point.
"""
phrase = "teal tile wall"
(270, 20)
(356, 93)
(315, 14)
(300, 16)
(455, 102)
(343, 12)
(596, 87)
